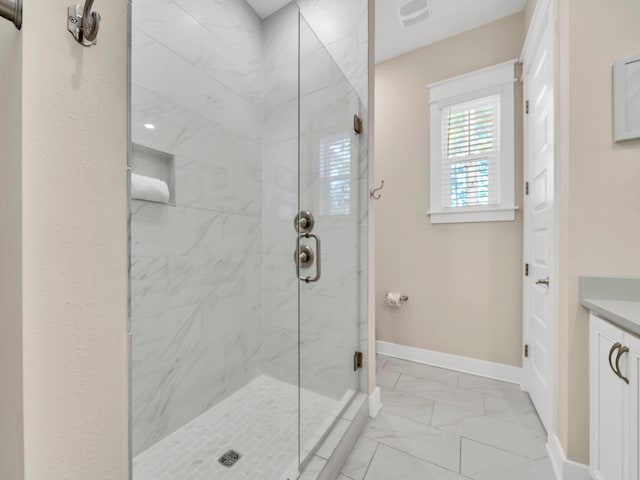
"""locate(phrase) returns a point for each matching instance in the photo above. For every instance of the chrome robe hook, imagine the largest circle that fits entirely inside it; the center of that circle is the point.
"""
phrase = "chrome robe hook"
(375, 191)
(84, 24)
(12, 11)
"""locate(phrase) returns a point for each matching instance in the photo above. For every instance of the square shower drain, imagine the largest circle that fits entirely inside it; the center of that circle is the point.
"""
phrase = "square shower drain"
(230, 458)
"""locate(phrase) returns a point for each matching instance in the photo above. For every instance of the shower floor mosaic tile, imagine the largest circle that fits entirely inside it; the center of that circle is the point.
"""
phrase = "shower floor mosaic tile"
(259, 422)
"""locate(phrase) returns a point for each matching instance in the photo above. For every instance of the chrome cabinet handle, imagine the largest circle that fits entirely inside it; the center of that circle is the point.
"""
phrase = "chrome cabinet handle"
(613, 349)
(544, 281)
(307, 279)
(622, 351)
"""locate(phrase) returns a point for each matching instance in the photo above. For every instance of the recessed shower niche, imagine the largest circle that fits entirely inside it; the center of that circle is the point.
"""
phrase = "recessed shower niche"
(153, 164)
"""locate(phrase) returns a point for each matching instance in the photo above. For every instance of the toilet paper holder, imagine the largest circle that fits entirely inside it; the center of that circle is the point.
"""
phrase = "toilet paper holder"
(403, 298)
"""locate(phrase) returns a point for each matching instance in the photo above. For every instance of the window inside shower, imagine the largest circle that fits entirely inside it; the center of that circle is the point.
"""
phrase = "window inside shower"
(242, 357)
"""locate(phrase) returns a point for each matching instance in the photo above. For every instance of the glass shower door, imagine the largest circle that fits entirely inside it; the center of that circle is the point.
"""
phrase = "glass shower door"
(329, 204)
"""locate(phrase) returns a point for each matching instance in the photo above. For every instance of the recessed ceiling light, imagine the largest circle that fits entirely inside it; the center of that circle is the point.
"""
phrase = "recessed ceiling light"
(150, 126)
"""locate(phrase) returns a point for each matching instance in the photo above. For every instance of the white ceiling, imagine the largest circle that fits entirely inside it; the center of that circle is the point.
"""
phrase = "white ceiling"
(264, 8)
(447, 18)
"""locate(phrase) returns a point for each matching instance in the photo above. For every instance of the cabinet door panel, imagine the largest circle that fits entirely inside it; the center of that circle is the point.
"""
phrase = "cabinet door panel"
(607, 404)
(632, 372)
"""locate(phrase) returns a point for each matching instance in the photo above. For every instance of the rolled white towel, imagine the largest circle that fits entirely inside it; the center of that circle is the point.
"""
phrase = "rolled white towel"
(148, 188)
(393, 299)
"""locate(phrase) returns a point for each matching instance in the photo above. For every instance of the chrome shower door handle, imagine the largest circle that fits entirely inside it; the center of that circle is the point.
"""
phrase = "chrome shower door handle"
(318, 256)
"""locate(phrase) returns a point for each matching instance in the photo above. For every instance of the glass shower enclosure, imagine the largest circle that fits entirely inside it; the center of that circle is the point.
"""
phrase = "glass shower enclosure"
(248, 241)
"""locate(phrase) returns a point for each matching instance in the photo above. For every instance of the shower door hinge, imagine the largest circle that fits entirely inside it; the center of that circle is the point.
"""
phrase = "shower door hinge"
(357, 361)
(357, 124)
(526, 350)
(526, 269)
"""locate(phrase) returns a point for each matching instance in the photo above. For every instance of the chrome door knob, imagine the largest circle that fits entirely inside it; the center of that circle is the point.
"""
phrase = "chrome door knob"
(543, 281)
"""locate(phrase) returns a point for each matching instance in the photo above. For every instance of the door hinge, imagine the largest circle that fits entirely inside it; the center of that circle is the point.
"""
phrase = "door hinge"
(526, 107)
(357, 361)
(526, 350)
(357, 124)
(526, 269)
(526, 188)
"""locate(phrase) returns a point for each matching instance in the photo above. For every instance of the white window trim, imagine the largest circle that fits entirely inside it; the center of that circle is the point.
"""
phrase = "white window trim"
(495, 80)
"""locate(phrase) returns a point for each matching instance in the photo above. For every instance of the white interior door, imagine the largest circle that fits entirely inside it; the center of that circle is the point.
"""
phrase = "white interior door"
(540, 321)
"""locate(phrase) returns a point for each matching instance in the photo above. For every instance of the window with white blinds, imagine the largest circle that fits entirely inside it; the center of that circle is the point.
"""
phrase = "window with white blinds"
(472, 174)
(471, 153)
(335, 175)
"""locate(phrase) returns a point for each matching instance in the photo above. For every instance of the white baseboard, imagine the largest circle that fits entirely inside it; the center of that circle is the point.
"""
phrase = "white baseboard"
(375, 403)
(483, 368)
(565, 469)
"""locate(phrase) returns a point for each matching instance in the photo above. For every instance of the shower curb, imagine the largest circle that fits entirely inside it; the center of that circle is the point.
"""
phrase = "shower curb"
(327, 463)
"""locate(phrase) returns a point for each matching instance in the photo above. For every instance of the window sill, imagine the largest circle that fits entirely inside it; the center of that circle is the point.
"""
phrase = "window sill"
(470, 215)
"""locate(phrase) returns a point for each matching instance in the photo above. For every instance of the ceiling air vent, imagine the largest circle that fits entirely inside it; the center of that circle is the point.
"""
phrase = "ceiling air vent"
(414, 12)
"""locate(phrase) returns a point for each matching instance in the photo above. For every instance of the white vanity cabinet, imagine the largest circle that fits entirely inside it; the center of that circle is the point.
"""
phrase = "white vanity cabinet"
(615, 404)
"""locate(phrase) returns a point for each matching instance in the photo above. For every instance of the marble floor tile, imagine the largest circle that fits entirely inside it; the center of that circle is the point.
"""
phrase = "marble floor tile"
(482, 462)
(528, 420)
(381, 360)
(440, 392)
(498, 403)
(444, 414)
(419, 370)
(360, 458)
(498, 433)
(413, 407)
(436, 446)
(487, 385)
(387, 378)
(391, 464)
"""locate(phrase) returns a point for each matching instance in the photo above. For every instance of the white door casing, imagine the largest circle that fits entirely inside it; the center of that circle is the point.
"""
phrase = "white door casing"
(540, 216)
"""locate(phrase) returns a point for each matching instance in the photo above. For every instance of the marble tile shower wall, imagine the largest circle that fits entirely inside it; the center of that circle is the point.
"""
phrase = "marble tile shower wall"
(280, 173)
(196, 275)
(343, 27)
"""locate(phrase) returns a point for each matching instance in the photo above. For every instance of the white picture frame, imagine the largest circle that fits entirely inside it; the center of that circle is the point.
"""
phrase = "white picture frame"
(626, 99)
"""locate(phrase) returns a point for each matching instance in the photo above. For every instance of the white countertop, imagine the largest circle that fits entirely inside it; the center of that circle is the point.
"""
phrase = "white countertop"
(623, 313)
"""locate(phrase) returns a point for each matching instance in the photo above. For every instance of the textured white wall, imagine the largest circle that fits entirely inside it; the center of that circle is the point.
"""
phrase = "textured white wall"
(10, 253)
(74, 153)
